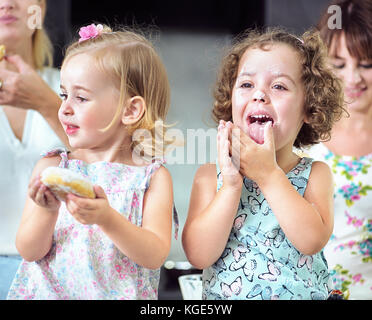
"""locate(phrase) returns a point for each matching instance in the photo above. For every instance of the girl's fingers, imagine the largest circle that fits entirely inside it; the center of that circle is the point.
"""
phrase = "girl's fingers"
(50, 197)
(40, 198)
(269, 136)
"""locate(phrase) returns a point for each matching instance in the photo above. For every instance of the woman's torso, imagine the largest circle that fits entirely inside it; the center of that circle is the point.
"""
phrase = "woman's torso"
(349, 251)
(18, 159)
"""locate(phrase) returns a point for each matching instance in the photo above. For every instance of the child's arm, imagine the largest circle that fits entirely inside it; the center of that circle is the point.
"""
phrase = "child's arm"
(147, 245)
(34, 236)
(211, 213)
(306, 221)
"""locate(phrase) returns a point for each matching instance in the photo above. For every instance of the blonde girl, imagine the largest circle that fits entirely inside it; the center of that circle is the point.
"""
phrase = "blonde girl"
(110, 247)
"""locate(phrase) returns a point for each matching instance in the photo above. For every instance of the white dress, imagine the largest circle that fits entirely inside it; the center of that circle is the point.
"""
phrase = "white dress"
(17, 161)
(349, 251)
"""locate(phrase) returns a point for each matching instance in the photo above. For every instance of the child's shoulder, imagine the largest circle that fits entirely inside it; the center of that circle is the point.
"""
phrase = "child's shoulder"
(320, 168)
(206, 174)
(207, 170)
(320, 176)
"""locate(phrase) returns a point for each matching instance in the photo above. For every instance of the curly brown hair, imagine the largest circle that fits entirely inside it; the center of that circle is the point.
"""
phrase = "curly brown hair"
(323, 91)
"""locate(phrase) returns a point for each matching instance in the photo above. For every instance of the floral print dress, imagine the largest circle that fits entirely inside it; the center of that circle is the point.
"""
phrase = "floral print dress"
(83, 262)
(349, 251)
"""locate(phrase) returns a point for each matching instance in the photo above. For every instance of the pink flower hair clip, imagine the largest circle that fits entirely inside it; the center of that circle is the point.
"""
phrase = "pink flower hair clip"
(90, 32)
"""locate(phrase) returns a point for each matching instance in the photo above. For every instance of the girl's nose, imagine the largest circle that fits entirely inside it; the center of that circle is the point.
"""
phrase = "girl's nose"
(259, 96)
(66, 109)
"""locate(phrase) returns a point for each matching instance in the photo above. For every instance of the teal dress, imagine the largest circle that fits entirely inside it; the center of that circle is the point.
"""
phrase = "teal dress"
(259, 261)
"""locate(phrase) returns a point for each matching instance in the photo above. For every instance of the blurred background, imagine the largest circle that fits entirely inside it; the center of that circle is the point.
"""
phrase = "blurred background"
(190, 37)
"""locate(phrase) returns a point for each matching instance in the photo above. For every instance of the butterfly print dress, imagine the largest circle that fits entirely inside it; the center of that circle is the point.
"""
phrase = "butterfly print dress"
(259, 262)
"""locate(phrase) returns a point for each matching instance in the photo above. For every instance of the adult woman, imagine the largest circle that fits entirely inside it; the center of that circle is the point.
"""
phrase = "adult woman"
(349, 152)
(28, 116)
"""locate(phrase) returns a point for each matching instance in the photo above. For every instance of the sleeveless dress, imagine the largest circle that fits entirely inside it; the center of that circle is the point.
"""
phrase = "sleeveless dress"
(349, 251)
(259, 262)
(83, 262)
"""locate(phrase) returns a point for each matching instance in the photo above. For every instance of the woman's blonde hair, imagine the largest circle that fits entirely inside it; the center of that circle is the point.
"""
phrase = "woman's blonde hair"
(131, 60)
(323, 91)
(42, 47)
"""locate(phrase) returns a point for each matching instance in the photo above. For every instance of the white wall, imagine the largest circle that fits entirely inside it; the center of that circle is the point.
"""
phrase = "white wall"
(191, 60)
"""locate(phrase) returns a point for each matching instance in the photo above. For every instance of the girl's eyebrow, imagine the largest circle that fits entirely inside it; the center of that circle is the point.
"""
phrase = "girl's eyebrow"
(247, 73)
(283, 75)
(77, 87)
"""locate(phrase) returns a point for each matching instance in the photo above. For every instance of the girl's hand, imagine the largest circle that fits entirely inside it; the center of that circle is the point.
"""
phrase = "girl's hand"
(229, 169)
(89, 211)
(257, 161)
(42, 195)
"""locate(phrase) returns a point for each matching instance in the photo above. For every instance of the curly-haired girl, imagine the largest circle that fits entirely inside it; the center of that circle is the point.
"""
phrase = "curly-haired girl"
(258, 219)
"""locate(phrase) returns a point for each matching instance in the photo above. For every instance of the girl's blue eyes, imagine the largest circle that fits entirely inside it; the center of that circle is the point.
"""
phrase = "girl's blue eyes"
(81, 99)
(279, 87)
(64, 97)
(249, 85)
(246, 85)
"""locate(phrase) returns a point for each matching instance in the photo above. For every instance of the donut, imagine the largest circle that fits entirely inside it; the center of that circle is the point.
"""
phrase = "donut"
(62, 181)
(2, 51)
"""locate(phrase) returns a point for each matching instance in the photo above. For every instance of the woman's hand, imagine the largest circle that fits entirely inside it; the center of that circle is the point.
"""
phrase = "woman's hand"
(228, 165)
(24, 88)
(89, 211)
(257, 161)
(42, 195)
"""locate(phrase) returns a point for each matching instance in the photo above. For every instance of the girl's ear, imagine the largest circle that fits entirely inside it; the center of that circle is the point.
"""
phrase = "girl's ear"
(134, 110)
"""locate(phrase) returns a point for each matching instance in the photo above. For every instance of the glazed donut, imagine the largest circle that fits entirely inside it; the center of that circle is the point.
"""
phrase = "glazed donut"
(62, 181)
(2, 51)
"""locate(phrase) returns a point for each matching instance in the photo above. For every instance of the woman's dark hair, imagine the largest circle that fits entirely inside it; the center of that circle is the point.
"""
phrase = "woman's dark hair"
(356, 24)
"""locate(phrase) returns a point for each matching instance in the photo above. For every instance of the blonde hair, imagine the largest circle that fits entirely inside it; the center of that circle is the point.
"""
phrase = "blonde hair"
(42, 48)
(135, 66)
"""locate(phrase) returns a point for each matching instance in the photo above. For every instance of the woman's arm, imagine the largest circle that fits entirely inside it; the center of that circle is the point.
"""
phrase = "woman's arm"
(24, 88)
(35, 233)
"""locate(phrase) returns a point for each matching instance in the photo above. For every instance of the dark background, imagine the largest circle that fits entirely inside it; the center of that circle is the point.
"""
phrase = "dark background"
(65, 17)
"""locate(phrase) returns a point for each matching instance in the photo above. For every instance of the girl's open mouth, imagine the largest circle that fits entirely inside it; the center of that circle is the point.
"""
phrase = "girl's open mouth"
(71, 129)
(256, 126)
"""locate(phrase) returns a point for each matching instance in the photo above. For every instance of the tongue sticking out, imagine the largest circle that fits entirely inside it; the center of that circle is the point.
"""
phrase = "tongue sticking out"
(256, 128)
(256, 132)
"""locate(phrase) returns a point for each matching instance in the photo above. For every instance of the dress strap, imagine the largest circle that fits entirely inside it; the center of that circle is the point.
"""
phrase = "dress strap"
(62, 152)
